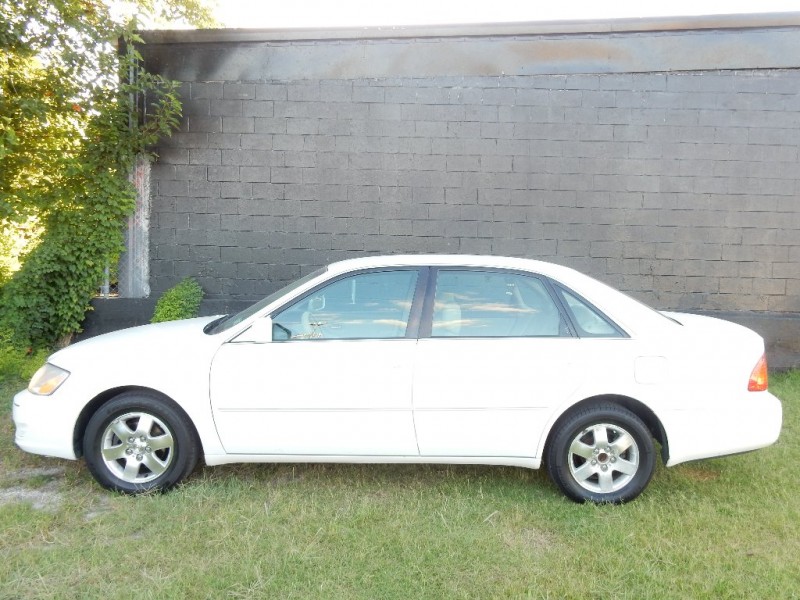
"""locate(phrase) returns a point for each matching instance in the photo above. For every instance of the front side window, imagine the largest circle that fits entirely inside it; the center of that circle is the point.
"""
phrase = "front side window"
(229, 321)
(493, 304)
(374, 305)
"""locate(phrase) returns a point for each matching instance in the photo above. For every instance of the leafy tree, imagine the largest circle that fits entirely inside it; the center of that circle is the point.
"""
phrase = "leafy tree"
(72, 122)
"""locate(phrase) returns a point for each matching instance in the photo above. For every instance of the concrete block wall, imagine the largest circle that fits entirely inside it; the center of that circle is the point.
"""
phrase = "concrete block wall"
(678, 187)
(659, 155)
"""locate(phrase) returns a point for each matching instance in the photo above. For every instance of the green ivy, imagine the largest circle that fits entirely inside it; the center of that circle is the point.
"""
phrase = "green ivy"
(179, 302)
(84, 214)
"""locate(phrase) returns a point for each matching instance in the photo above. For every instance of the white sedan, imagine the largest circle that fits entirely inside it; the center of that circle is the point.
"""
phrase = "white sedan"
(411, 359)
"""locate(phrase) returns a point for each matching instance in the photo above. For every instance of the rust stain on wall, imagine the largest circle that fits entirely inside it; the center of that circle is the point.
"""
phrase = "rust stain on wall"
(594, 53)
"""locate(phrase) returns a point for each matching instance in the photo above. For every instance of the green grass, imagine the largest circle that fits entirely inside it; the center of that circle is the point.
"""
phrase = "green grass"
(724, 528)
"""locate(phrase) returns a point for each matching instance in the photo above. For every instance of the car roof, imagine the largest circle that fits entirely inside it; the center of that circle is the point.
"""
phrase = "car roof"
(449, 260)
(627, 312)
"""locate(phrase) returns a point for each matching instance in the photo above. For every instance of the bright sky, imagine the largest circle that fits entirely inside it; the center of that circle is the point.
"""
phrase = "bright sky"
(340, 13)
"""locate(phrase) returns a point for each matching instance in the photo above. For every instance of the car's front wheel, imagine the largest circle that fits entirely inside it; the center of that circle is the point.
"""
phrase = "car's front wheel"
(601, 453)
(139, 442)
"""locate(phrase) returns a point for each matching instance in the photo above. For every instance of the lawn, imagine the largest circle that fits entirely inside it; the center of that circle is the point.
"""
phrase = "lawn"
(724, 528)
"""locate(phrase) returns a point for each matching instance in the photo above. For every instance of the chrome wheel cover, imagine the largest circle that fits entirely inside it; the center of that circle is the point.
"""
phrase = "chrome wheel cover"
(603, 458)
(137, 447)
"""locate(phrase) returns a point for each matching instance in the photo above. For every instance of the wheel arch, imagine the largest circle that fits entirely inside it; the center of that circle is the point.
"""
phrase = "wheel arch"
(95, 403)
(641, 410)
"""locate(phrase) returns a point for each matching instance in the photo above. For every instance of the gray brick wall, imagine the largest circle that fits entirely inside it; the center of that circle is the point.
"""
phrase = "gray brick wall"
(677, 187)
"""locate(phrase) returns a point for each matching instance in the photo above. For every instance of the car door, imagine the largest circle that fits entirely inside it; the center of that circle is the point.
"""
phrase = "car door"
(495, 357)
(336, 378)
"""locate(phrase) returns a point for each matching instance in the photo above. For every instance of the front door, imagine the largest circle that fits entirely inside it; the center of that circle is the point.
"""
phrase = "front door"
(335, 380)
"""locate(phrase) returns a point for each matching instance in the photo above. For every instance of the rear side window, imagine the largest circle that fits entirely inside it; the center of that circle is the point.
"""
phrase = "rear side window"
(589, 321)
(493, 304)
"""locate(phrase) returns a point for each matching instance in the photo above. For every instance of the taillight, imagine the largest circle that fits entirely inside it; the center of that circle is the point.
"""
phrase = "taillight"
(758, 378)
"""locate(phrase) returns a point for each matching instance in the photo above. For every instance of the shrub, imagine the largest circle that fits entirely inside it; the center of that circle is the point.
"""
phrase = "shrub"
(16, 362)
(179, 302)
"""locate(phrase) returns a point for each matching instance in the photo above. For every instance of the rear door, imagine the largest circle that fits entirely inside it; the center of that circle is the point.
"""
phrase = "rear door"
(495, 356)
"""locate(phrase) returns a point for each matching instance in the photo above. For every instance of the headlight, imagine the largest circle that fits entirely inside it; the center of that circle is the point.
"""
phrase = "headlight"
(47, 380)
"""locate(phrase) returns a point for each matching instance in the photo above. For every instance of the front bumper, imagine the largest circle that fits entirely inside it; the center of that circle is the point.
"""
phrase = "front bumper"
(44, 425)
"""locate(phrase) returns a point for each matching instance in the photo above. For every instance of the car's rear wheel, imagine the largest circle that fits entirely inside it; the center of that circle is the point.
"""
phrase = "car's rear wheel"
(139, 442)
(601, 453)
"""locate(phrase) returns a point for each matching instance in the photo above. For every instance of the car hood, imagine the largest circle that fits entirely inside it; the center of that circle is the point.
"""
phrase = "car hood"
(155, 344)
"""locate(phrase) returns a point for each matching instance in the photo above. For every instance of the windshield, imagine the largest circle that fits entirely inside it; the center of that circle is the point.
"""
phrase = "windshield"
(232, 320)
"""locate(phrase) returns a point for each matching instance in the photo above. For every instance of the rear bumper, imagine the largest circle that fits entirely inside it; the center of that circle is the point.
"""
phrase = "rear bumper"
(750, 421)
(43, 425)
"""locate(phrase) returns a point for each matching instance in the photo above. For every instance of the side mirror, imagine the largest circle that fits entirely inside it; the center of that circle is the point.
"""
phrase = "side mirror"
(260, 332)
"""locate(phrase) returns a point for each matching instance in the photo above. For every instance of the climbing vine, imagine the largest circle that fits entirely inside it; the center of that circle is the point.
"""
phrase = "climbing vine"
(76, 110)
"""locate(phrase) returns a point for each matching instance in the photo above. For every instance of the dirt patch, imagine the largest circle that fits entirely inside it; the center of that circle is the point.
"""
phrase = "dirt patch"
(531, 539)
(98, 508)
(699, 473)
(45, 497)
(33, 473)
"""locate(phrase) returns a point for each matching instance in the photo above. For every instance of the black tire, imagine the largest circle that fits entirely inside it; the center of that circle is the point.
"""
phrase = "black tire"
(602, 453)
(138, 442)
